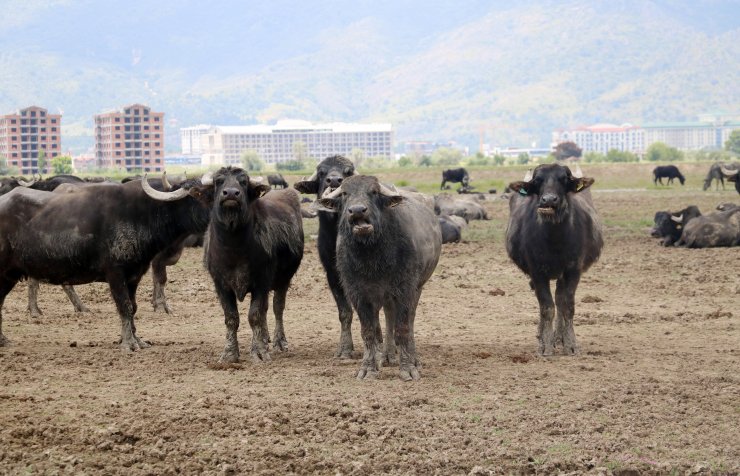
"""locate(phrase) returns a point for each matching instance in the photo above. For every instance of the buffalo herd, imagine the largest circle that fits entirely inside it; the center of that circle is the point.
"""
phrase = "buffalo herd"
(378, 245)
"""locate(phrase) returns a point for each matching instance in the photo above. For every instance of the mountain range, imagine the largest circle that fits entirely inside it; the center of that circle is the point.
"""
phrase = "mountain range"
(504, 72)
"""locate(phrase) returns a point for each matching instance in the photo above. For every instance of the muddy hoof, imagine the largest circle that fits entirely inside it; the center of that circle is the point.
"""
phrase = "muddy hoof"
(409, 372)
(229, 356)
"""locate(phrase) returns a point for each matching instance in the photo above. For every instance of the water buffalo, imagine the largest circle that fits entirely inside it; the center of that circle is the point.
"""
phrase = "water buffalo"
(277, 180)
(712, 230)
(716, 173)
(669, 226)
(451, 230)
(87, 236)
(329, 175)
(667, 171)
(388, 246)
(254, 245)
(554, 232)
(733, 175)
(446, 204)
(455, 176)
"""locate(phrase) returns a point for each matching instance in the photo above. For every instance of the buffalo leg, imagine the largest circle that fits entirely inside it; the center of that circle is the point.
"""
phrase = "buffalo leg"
(404, 337)
(33, 297)
(279, 341)
(168, 257)
(545, 333)
(5, 287)
(74, 298)
(389, 351)
(122, 292)
(231, 318)
(258, 323)
(565, 292)
(368, 313)
(345, 349)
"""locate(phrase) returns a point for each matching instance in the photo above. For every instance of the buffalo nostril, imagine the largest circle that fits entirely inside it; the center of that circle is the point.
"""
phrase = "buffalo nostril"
(340, 179)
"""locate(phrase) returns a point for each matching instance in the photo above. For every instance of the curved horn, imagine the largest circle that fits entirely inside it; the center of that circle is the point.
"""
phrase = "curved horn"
(329, 194)
(677, 219)
(528, 175)
(166, 185)
(578, 173)
(728, 172)
(207, 178)
(23, 183)
(388, 192)
(163, 196)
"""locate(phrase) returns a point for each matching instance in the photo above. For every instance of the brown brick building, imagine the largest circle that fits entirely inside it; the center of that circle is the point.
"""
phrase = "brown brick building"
(25, 133)
(131, 138)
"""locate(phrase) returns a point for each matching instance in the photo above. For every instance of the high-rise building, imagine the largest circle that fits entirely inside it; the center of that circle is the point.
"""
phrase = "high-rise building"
(27, 134)
(191, 139)
(287, 140)
(131, 138)
(604, 137)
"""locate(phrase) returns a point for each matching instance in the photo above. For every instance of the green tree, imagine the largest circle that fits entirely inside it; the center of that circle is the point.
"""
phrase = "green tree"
(251, 161)
(733, 142)
(567, 149)
(447, 156)
(663, 152)
(499, 159)
(522, 158)
(615, 155)
(405, 161)
(425, 161)
(479, 159)
(41, 162)
(291, 165)
(6, 169)
(593, 156)
(62, 164)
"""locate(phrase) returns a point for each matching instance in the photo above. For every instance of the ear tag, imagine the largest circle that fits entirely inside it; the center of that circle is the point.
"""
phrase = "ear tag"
(579, 187)
(678, 227)
(522, 191)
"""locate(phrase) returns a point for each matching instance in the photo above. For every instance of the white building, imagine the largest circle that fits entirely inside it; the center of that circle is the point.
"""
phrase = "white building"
(604, 137)
(191, 139)
(224, 145)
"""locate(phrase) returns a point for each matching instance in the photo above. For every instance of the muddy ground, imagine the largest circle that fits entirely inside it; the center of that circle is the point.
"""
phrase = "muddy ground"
(656, 387)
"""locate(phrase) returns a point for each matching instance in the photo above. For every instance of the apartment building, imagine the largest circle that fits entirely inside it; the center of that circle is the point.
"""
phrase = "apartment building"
(27, 133)
(224, 145)
(604, 137)
(191, 139)
(130, 138)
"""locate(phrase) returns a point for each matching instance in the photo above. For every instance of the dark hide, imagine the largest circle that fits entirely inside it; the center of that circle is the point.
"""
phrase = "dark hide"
(712, 230)
(388, 246)
(254, 245)
(667, 171)
(715, 173)
(666, 228)
(455, 176)
(277, 180)
(734, 179)
(330, 174)
(554, 233)
(451, 231)
(88, 236)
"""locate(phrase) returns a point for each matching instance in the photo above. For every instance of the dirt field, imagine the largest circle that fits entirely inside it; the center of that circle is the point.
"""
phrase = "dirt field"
(656, 388)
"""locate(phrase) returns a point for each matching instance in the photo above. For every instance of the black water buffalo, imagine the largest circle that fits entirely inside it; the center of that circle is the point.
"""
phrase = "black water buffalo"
(446, 204)
(388, 246)
(667, 171)
(48, 184)
(733, 175)
(329, 175)
(712, 230)
(716, 173)
(451, 230)
(254, 245)
(89, 236)
(669, 226)
(554, 232)
(277, 180)
(455, 176)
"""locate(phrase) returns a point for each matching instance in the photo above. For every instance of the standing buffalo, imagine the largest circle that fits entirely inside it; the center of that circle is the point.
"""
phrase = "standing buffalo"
(89, 236)
(329, 175)
(277, 180)
(669, 226)
(554, 233)
(255, 245)
(455, 175)
(733, 175)
(718, 171)
(387, 248)
(667, 171)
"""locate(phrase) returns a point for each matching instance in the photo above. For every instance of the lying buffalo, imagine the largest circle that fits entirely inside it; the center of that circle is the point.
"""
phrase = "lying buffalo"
(669, 226)
(446, 204)
(554, 232)
(388, 246)
(451, 230)
(712, 230)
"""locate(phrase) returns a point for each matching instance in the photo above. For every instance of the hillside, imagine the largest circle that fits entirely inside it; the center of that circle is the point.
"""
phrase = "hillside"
(444, 73)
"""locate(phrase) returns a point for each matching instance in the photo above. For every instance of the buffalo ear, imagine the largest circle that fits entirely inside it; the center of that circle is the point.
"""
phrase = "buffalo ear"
(580, 184)
(395, 200)
(256, 190)
(327, 205)
(522, 188)
(307, 186)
